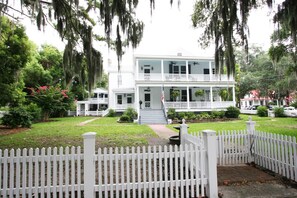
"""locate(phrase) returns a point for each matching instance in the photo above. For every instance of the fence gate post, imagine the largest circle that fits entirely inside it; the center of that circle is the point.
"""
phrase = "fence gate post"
(250, 126)
(182, 131)
(89, 164)
(210, 140)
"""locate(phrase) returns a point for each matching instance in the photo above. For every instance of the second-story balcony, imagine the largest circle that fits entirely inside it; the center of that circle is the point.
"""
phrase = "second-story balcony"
(182, 77)
(178, 69)
(98, 100)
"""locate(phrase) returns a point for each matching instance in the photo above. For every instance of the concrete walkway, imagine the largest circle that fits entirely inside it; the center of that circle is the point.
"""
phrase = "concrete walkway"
(162, 131)
(242, 181)
(87, 121)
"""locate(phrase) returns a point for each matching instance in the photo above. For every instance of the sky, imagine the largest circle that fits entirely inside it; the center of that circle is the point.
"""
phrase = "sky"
(167, 31)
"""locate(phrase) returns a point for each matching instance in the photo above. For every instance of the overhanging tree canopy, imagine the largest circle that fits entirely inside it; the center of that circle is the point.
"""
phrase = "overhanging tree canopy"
(73, 21)
(225, 23)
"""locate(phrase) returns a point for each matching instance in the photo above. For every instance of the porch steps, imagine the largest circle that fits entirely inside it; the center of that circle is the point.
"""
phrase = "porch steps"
(152, 116)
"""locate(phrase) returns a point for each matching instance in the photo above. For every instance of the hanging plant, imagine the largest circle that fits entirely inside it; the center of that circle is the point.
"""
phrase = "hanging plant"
(199, 92)
(224, 94)
(175, 94)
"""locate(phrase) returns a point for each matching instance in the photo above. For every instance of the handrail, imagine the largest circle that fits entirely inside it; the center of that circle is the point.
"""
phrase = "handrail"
(164, 109)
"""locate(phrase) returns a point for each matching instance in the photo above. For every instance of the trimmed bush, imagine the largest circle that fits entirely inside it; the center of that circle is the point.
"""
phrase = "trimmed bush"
(191, 115)
(262, 111)
(171, 114)
(181, 115)
(129, 115)
(17, 116)
(111, 113)
(218, 114)
(203, 115)
(279, 112)
(125, 118)
(232, 112)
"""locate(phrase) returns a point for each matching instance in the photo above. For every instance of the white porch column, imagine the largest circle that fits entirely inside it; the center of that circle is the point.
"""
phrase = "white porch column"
(137, 99)
(137, 69)
(187, 72)
(86, 109)
(188, 97)
(162, 70)
(233, 94)
(211, 98)
(210, 71)
(77, 109)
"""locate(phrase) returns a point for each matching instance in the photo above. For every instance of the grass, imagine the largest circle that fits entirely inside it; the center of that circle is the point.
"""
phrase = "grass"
(67, 132)
(285, 126)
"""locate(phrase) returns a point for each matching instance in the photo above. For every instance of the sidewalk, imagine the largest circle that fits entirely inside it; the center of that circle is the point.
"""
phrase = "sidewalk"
(242, 181)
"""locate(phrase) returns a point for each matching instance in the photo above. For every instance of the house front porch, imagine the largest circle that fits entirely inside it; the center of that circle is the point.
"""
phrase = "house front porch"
(185, 98)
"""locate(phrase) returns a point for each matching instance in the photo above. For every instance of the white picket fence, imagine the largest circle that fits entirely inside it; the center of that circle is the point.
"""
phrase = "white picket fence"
(41, 172)
(277, 153)
(151, 172)
(183, 171)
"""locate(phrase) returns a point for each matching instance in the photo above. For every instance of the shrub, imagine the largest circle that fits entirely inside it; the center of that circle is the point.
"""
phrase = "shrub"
(131, 113)
(203, 115)
(294, 104)
(34, 111)
(262, 111)
(128, 115)
(125, 118)
(191, 115)
(218, 114)
(232, 112)
(279, 112)
(17, 116)
(181, 115)
(171, 114)
(111, 113)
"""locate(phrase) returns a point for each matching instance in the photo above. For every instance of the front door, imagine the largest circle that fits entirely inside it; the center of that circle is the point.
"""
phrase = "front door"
(147, 100)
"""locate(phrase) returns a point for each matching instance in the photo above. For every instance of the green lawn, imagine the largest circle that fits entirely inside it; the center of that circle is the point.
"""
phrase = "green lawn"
(286, 126)
(66, 132)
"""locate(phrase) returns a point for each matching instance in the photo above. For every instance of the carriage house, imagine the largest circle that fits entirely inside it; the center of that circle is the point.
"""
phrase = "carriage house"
(157, 83)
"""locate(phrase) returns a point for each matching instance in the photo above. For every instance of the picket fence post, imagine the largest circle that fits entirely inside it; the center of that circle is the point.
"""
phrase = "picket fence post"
(89, 164)
(182, 131)
(250, 126)
(210, 140)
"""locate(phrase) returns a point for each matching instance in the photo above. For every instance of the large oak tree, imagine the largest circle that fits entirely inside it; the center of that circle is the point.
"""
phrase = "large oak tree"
(73, 21)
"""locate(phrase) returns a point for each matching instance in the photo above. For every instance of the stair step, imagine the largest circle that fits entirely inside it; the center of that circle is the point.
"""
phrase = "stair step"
(152, 116)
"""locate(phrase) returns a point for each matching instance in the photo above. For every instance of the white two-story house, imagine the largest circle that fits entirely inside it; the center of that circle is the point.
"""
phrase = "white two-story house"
(157, 83)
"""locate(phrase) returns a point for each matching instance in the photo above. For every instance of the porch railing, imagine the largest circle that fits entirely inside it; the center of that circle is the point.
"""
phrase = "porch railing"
(183, 77)
(124, 106)
(199, 104)
(98, 100)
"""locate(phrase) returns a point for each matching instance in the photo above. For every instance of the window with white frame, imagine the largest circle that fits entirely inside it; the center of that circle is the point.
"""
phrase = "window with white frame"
(129, 98)
(119, 99)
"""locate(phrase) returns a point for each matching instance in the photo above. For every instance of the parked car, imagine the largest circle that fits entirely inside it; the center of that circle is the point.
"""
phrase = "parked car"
(290, 111)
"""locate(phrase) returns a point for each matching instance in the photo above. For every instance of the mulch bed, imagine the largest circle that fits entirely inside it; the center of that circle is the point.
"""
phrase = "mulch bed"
(4, 130)
(206, 120)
